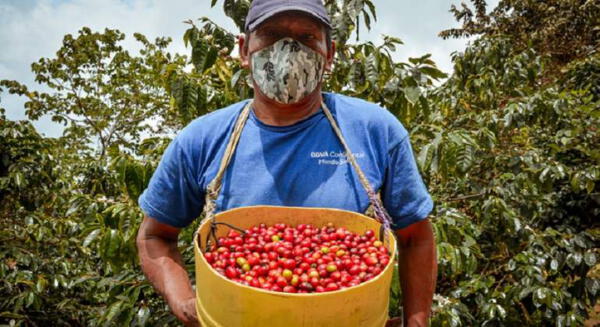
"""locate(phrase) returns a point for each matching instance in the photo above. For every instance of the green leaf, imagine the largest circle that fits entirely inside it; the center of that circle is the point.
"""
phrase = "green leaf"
(580, 240)
(592, 285)
(199, 53)
(590, 259)
(395, 293)
(590, 185)
(501, 311)
(142, 316)
(41, 284)
(433, 72)
(539, 296)
(511, 265)
(210, 58)
(112, 313)
(236, 77)
(91, 237)
(371, 6)
(189, 37)
(554, 264)
(18, 179)
(574, 259)
(371, 68)
(412, 94)
(576, 182)
(423, 157)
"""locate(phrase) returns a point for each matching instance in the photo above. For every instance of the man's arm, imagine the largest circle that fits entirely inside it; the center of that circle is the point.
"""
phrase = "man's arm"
(163, 266)
(417, 266)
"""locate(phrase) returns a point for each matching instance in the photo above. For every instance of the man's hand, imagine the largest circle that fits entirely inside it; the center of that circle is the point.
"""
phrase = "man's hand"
(417, 265)
(185, 311)
(394, 322)
(162, 264)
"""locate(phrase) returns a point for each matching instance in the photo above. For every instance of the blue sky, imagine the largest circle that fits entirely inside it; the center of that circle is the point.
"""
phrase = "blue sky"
(32, 29)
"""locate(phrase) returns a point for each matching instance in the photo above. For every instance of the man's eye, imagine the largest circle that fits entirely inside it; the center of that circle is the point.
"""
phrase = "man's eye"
(268, 34)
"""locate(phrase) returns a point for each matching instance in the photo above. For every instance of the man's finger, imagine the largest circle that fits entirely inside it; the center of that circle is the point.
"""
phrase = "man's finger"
(394, 322)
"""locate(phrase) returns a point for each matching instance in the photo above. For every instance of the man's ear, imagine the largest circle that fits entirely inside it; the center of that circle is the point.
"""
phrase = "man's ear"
(330, 56)
(243, 50)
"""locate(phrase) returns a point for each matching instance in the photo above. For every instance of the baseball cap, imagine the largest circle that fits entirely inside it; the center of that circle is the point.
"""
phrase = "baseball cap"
(260, 10)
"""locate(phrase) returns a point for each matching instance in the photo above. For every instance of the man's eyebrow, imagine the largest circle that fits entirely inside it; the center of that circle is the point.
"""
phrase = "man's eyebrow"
(309, 30)
(268, 28)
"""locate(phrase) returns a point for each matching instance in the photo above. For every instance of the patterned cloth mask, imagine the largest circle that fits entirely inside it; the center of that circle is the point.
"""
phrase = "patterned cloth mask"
(287, 70)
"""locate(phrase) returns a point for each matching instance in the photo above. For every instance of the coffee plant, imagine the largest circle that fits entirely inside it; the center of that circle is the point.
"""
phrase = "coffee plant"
(507, 144)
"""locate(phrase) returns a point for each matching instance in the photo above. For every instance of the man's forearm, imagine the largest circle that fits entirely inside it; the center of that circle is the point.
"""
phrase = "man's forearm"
(162, 264)
(418, 272)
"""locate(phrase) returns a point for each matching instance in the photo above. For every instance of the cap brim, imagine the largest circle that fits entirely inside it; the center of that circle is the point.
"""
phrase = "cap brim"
(251, 27)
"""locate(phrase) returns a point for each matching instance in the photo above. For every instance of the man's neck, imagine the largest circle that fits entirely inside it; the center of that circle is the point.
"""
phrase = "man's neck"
(272, 113)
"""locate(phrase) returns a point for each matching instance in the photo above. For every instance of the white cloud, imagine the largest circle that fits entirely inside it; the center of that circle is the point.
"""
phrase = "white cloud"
(34, 29)
(31, 30)
(417, 24)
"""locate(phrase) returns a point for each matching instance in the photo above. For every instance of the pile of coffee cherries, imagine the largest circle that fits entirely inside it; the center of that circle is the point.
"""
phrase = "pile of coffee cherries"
(301, 259)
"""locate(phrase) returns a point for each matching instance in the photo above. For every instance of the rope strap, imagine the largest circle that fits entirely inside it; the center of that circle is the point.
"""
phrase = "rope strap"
(380, 213)
(214, 187)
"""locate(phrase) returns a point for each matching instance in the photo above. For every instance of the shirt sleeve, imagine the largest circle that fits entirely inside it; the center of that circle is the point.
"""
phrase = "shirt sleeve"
(404, 194)
(173, 196)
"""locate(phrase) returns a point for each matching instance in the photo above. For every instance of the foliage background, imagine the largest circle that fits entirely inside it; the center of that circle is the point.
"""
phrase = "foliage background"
(508, 145)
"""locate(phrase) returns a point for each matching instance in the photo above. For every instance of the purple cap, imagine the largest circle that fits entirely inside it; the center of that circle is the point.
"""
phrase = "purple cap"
(260, 10)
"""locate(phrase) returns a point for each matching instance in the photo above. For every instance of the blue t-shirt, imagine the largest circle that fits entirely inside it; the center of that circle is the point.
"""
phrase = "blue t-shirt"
(297, 165)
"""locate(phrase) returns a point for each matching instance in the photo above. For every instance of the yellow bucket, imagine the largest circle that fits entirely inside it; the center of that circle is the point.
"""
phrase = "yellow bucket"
(224, 303)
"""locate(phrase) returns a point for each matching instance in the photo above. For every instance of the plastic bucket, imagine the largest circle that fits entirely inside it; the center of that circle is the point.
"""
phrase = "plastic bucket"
(224, 303)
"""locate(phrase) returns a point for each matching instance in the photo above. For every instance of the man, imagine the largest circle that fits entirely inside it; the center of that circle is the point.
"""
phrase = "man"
(289, 155)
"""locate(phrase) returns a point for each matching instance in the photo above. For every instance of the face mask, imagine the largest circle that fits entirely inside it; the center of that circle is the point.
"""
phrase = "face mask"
(287, 70)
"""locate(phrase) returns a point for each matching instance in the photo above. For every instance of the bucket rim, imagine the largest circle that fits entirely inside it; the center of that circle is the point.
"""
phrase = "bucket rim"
(390, 264)
(291, 207)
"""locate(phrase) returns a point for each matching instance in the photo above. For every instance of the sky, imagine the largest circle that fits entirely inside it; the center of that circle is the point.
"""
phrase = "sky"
(32, 29)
